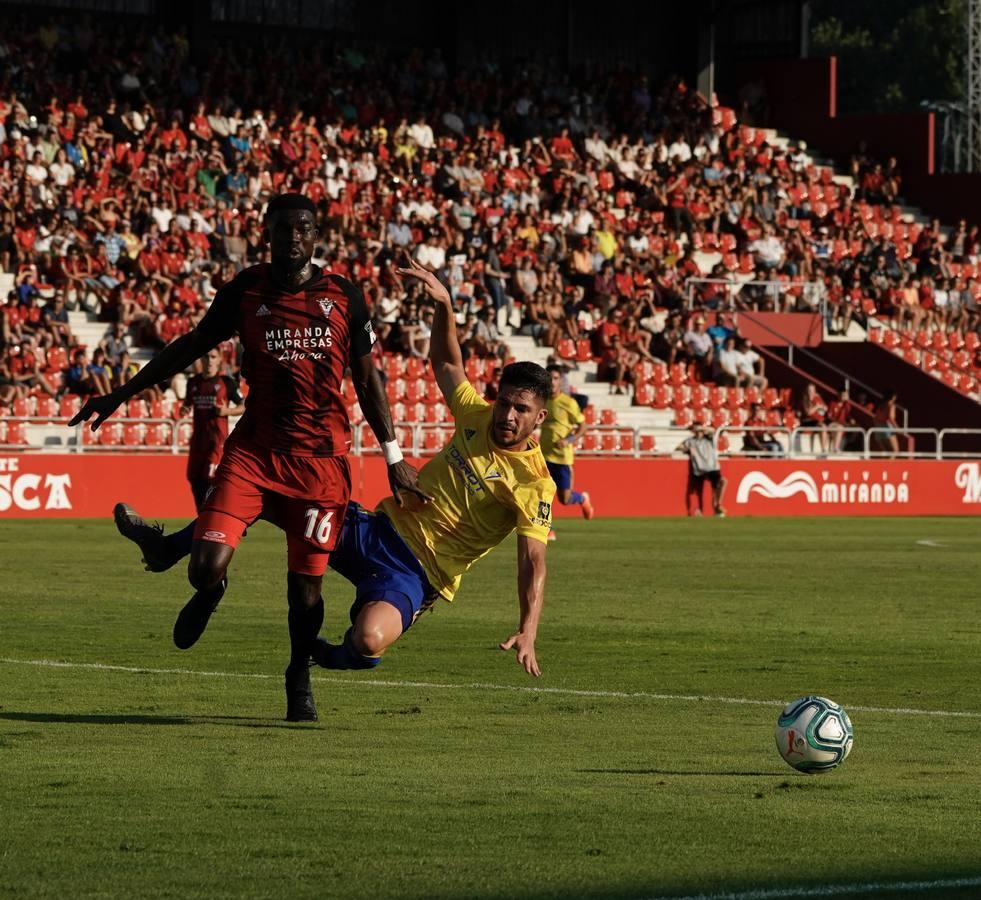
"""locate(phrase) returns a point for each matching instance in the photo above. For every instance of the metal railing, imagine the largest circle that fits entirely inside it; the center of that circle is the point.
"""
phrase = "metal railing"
(632, 442)
(735, 286)
(847, 379)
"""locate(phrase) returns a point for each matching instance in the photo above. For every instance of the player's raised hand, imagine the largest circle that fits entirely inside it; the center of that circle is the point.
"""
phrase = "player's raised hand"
(434, 287)
(525, 645)
(403, 477)
(100, 407)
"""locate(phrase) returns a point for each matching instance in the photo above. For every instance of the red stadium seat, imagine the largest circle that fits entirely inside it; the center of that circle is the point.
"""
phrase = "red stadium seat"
(567, 348)
(590, 415)
(184, 430)
(626, 441)
(432, 439)
(394, 366)
(584, 352)
(433, 393)
(608, 417)
(590, 443)
(137, 409)
(643, 372)
(156, 409)
(474, 368)
(395, 390)
(415, 367)
(368, 439)
(682, 418)
(158, 435)
(16, 434)
(611, 441)
(643, 395)
(46, 408)
(436, 414)
(647, 443)
(23, 407)
(110, 434)
(415, 390)
(69, 406)
(134, 435)
(57, 359)
(663, 396)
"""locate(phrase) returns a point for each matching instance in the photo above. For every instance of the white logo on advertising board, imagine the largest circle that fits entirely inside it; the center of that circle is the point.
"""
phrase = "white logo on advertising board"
(841, 487)
(968, 477)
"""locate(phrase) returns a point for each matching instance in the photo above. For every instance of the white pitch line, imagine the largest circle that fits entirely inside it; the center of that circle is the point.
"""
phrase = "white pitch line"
(484, 686)
(836, 890)
(930, 544)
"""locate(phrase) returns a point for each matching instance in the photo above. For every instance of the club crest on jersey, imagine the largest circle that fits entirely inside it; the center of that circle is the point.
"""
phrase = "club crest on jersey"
(325, 306)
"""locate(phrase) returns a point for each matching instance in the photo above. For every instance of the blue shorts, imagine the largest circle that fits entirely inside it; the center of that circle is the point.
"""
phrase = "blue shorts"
(561, 475)
(373, 557)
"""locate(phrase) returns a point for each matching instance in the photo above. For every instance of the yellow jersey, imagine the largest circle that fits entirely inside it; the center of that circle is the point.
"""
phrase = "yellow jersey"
(481, 493)
(564, 415)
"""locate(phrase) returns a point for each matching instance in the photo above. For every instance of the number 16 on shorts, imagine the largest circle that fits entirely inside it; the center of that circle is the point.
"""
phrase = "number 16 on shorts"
(319, 524)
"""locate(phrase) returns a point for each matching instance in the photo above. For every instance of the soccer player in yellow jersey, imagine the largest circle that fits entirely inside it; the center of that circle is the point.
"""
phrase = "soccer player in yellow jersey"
(564, 426)
(488, 481)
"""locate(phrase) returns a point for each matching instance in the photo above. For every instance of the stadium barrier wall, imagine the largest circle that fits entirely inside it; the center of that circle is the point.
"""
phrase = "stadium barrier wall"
(41, 486)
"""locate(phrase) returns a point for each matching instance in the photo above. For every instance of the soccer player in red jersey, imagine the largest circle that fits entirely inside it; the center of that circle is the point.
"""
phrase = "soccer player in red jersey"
(300, 328)
(212, 398)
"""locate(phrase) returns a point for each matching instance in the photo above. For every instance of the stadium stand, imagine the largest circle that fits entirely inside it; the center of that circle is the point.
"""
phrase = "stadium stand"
(569, 220)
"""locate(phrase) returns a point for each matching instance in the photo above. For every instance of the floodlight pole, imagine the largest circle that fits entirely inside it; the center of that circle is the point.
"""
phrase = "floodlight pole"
(974, 86)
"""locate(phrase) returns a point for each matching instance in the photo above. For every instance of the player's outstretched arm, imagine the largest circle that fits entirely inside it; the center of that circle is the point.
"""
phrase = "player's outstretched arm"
(531, 596)
(444, 346)
(374, 404)
(174, 358)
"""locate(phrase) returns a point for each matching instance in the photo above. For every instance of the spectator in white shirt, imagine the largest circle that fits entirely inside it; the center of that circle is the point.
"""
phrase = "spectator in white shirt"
(728, 364)
(422, 134)
(679, 150)
(431, 254)
(750, 365)
(768, 250)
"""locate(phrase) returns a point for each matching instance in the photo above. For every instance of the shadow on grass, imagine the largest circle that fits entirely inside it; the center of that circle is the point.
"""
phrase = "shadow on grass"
(143, 719)
(720, 773)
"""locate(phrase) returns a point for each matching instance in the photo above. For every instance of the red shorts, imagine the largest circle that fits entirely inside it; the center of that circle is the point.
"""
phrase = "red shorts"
(306, 496)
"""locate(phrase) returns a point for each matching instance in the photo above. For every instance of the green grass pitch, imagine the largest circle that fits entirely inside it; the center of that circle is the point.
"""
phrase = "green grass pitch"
(440, 775)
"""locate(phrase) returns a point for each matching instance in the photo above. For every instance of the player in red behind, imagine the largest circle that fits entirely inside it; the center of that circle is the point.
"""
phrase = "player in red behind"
(300, 327)
(212, 398)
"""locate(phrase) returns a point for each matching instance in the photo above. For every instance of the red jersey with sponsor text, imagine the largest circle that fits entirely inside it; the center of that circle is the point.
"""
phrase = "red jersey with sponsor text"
(296, 346)
(205, 396)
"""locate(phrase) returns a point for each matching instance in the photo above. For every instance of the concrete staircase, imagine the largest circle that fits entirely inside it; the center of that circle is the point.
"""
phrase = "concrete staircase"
(584, 381)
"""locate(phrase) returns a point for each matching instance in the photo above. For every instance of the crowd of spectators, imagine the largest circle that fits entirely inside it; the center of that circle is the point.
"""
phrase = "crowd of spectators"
(575, 207)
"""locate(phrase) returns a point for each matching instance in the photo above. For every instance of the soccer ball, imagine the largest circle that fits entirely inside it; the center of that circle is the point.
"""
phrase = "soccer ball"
(814, 734)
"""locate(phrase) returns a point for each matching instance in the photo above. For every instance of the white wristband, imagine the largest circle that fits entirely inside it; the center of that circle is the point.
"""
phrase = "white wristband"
(392, 453)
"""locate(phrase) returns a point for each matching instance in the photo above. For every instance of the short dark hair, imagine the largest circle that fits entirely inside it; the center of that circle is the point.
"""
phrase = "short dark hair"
(555, 367)
(527, 376)
(283, 202)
